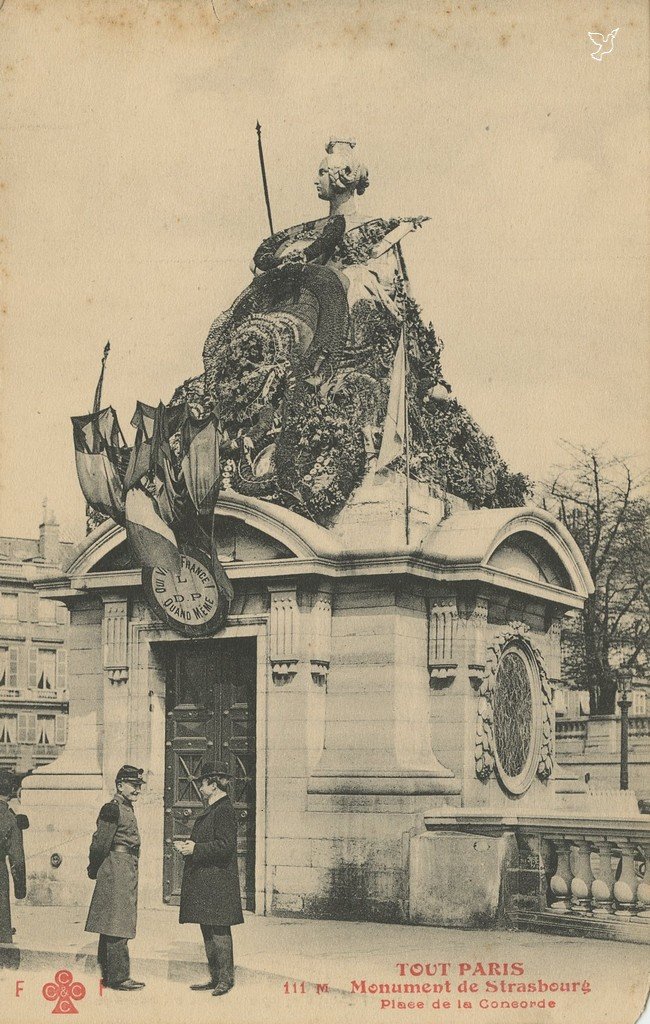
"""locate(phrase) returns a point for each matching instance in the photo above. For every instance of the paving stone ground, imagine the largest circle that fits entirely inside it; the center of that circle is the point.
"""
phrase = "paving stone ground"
(281, 962)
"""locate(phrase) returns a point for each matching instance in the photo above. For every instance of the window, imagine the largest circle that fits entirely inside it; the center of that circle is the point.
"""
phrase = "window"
(516, 718)
(47, 610)
(7, 728)
(9, 667)
(9, 607)
(44, 678)
(45, 730)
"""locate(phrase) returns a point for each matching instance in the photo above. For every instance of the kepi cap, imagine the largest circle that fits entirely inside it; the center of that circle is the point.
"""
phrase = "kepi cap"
(128, 773)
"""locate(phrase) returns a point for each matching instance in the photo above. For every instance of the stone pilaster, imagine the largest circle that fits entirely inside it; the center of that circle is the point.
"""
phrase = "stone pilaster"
(116, 674)
(443, 654)
(115, 638)
(453, 699)
(284, 633)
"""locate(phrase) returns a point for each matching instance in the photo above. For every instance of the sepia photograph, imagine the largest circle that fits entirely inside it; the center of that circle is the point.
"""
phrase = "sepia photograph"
(324, 511)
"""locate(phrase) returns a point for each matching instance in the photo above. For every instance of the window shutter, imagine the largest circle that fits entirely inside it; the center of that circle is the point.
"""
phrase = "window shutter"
(31, 727)
(61, 614)
(13, 668)
(22, 666)
(22, 727)
(61, 729)
(34, 607)
(61, 669)
(24, 603)
(33, 667)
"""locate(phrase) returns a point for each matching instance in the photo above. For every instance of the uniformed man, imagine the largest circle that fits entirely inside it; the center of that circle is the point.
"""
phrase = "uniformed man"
(210, 894)
(11, 849)
(113, 857)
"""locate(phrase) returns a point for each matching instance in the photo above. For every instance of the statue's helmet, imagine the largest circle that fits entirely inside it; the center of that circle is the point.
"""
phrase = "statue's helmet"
(346, 173)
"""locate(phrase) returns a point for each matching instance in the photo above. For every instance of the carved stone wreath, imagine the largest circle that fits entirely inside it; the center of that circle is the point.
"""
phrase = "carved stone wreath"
(485, 747)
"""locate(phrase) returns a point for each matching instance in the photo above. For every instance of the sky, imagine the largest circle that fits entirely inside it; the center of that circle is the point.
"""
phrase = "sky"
(132, 203)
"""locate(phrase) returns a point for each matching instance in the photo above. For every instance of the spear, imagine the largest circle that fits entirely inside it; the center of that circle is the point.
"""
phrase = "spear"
(98, 390)
(258, 128)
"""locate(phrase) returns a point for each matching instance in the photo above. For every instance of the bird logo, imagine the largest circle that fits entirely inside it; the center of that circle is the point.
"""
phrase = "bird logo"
(604, 44)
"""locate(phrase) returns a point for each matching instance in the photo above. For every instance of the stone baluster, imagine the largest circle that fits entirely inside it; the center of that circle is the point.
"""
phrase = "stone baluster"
(643, 888)
(583, 878)
(602, 887)
(561, 880)
(626, 886)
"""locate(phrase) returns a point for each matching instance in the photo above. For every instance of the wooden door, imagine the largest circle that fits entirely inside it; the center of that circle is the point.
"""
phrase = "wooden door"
(210, 716)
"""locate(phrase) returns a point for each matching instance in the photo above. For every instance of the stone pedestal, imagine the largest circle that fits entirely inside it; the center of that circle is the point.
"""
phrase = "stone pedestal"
(455, 878)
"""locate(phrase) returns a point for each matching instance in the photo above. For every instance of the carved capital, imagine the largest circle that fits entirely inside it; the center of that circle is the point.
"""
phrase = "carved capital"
(118, 676)
(115, 645)
(283, 671)
(319, 671)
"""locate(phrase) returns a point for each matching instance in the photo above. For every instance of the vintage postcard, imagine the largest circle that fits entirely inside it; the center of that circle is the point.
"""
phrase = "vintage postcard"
(323, 571)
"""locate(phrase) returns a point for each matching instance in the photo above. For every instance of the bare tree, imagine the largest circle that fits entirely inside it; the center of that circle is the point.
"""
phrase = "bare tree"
(606, 511)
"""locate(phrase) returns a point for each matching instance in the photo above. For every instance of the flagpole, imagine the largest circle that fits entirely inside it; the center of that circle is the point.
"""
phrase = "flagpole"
(98, 390)
(407, 446)
(258, 129)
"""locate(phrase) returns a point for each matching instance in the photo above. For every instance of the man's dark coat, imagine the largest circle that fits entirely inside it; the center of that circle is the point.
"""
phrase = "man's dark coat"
(11, 846)
(210, 888)
(114, 906)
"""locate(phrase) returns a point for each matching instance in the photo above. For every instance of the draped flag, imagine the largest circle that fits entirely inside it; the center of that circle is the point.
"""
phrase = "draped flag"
(163, 489)
(394, 437)
(201, 472)
(151, 540)
(153, 492)
(200, 462)
(152, 459)
(101, 455)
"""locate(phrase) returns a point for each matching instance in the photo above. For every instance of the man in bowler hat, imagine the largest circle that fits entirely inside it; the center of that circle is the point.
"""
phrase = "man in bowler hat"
(210, 893)
(11, 848)
(113, 862)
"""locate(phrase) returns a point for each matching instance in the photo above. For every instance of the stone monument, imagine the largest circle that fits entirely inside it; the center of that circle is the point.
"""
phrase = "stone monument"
(388, 653)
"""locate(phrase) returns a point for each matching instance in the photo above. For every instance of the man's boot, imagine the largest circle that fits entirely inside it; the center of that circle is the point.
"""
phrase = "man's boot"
(223, 947)
(213, 964)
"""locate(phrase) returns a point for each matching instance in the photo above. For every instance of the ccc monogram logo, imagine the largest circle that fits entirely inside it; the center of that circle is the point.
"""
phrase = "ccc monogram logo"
(64, 991)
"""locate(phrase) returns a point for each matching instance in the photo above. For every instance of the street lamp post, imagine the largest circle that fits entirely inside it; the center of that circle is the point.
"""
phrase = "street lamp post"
(625, 704)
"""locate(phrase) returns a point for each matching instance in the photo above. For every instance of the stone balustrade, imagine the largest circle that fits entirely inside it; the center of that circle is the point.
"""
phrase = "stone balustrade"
(567, 874)
(640, 726)
(599, 872)
(571, 728)
(31, 695)
(599, 733)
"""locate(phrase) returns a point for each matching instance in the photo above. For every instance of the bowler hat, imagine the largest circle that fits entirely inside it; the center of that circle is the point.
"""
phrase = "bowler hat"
(128, 773)
(213, 769)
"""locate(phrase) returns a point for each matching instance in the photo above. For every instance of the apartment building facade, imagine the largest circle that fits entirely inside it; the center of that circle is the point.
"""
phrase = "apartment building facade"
(33, 651)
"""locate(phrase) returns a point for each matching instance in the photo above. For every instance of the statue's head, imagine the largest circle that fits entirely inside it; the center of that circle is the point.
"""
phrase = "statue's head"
(340, 172)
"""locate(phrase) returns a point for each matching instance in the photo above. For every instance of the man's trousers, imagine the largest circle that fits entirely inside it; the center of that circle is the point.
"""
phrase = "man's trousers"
(218, 949)
(113, 956)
